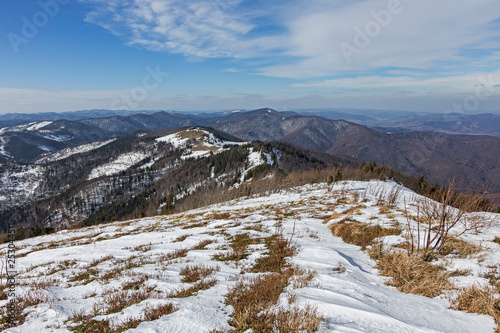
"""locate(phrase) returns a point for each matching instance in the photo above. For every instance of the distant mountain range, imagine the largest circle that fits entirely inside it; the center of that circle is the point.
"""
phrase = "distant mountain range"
(404, 121)
(133, 175)
(62, 163)
(471, 160)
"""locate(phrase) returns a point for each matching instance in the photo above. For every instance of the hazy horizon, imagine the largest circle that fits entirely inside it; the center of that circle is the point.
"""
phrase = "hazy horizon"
(60, 55)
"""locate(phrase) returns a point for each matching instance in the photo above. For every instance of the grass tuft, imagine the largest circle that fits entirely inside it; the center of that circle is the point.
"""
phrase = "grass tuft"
(292, 319)
(411, 274)
(480, 300)
(201, 285)
(195, 273)
(361, 234)
(459, 248)
(275, 260)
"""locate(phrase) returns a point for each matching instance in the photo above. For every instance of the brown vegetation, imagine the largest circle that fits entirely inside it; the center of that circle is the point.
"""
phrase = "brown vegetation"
(480, 300)
(411, 274)
(361, 234)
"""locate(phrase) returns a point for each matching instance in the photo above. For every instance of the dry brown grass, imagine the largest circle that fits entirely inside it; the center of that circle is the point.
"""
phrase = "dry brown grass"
(136, 283)
(155, 312)
(230, 256)
(96, 262)
(191, 291)
(361, 234)
(345, 201)
(459, 248)
(339, 268)
(195, 273)
(353, 210)
(200, 224)
(190, 134)
(84, 277)
(411, 274)
(181, 238)
(143, 247)
(174, 255)
(334, 216)
(293, 319)
(300, 278)
(384, 209)
(259, 227)
(120, 300)
(203, 244)
(275, 260)
(251, 297)
(219, 216)
(480, 300)
(31, 298)
(88, 325)
(121, 266)
(239, 245)
(493, 276)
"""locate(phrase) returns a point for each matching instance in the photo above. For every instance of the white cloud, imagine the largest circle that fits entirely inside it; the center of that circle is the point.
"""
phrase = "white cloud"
(457, 83)
(429, 48)
(424, 34)
(196, 28)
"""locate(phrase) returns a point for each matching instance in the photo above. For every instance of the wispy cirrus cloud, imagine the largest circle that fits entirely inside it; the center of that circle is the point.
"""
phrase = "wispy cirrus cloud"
(198, 28)
(423, 42)
(423, 35)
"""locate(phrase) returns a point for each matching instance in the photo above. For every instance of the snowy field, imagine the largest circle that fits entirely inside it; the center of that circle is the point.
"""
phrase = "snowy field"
(77, 275)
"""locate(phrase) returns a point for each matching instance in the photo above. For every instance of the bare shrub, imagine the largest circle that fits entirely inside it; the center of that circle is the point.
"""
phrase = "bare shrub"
(447, 215)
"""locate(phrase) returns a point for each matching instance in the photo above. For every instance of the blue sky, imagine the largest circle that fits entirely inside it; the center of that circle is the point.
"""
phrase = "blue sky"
(426, 55)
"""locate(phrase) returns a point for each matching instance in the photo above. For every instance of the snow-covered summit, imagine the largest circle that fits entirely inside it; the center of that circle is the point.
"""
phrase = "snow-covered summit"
(83, 274)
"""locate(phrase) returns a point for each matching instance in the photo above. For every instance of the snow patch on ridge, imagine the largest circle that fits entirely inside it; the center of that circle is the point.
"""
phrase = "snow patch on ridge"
(67, 152)
(122, 163)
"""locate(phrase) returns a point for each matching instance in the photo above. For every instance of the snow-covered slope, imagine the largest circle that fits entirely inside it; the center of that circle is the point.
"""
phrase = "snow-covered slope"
(33, 126)
(121, 163)
(20, 182)
(80, 271)
(64, 153)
